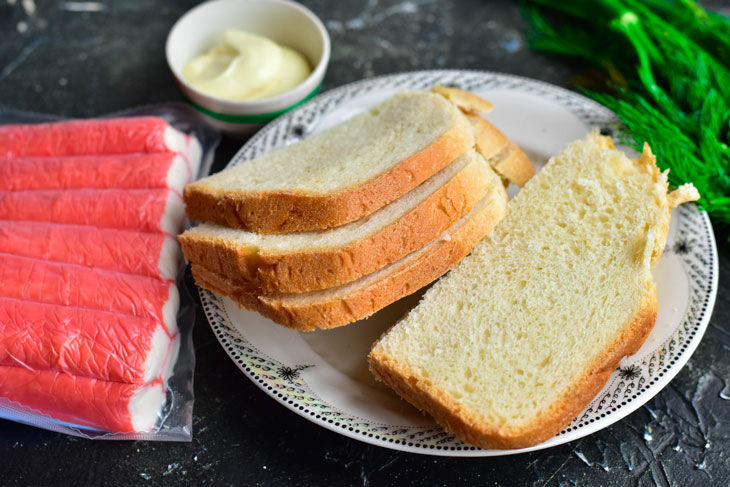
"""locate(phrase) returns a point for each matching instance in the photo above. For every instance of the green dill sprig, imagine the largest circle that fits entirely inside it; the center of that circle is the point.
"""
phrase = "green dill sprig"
(666, 64)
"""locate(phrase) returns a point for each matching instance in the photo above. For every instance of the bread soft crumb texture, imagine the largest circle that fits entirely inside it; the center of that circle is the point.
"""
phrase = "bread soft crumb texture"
(338, 175)
(359, 299)
(507, 348)
(307, 261)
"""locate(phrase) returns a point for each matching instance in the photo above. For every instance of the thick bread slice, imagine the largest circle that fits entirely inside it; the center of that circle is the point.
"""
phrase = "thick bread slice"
(505, 157)
(516, 167)
(308, 261)
(489, 141)
(518, 338)
(466, 101)
(359, 299)
(339, 175)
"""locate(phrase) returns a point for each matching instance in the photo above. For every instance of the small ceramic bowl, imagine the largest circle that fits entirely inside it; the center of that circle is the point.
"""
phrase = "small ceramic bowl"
(282, 21)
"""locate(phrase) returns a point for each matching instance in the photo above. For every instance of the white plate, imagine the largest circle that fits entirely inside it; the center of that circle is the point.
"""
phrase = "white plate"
(323, 375)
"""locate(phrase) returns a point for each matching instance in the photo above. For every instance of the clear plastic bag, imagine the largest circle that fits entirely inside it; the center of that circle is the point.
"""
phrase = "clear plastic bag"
(175, 419)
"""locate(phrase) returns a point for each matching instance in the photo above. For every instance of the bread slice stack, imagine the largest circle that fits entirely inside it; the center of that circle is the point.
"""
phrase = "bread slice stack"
(516, 340)
(329, 230)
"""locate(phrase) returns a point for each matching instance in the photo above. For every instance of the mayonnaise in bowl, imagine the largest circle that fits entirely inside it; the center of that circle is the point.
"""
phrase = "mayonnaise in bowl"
(247, 66)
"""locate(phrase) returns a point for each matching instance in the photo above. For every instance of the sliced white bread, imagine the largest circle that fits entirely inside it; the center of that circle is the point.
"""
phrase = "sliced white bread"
(504, 156)
(339, 175)
(308, 261)
(359, 299)
(516, 340)
(466, 101)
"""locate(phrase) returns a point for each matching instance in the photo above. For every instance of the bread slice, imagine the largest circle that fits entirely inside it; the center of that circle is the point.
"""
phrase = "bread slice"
(504, 156)
(359, 299)
(339, 175)
(514, 342)
(308, 261)
(466, 101)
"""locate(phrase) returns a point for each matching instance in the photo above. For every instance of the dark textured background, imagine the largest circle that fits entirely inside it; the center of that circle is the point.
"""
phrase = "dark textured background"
(57, 59)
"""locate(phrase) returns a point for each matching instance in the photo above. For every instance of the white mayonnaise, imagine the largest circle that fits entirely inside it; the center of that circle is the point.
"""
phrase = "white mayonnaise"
(246, 67)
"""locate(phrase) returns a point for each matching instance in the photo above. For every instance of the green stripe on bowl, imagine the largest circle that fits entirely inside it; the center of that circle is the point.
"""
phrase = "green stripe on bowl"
(250, 119)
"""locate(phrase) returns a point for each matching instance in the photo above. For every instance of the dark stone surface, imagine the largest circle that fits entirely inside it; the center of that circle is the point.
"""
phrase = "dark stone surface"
(58, 60)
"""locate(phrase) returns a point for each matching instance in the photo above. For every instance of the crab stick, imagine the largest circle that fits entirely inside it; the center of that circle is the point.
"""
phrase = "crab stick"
(78, 341)
(173, 354)
(96, 136)
(130, 171)
(106, 405)
(149, 254)
(149, 210)
(72, 285)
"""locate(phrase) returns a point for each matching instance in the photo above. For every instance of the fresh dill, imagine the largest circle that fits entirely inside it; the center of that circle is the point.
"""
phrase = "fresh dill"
(666, 66)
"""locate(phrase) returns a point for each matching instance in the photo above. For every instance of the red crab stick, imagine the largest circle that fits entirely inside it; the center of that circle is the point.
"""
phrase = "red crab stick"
(149, 210)
(110, 406)
(99, 136)
(131, 171)
(78, 341)
(72, 285)
(149, 254)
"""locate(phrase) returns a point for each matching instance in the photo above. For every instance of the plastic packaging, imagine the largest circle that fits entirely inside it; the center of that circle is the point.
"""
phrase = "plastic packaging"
(175, 419)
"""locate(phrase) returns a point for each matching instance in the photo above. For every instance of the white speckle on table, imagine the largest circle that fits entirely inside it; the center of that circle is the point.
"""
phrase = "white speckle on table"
(356, 23)
(62, 81)
(145, 476)
(20, 58)
(28, 6)
(82, 6)
(12, 2)
(582, 456)
(334, 25)
(647, 435)
(368, 18)
(725, 392)
(22, 27)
